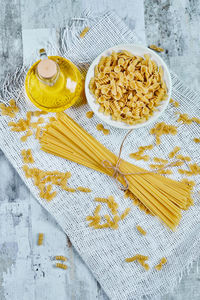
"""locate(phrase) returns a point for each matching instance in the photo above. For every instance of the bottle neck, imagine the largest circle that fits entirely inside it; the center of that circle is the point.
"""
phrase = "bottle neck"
(47, 70)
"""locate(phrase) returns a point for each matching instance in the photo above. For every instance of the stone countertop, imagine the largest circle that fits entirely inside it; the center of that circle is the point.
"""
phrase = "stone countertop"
(26, 270)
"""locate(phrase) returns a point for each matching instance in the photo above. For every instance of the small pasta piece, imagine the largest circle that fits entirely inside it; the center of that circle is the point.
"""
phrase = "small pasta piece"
(125, 213)
(11, 110)
(160, 160)
(156, 48)
(61, 266)
(98, 199)
(60, 257)
(163, 261)
(84, 189)
(175, 103)
(38, 133)
(24, 137)
(141, 230)
(174, 152)
(83, 33)
(40, 239)
(158, 267)
(144, 265)
(97, 210)
(89, 114)
(137, 257)
(181, 157)
(196, 140)
(106, 131)
(99, 127)
(153, 166)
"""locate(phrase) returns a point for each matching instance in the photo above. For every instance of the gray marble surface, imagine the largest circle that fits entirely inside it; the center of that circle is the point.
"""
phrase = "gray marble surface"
(30, 275)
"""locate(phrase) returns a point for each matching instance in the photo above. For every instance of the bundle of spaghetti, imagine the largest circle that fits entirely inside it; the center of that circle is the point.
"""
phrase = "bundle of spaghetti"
(162, 196)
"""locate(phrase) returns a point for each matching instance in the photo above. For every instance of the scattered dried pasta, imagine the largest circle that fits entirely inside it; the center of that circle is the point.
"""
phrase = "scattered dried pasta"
(196, 140)
(160, 160)
(110, 222)
(163, 128)
(106, 131)
(190, 183)
(153, 166)
(184, 118)
(89, 114)
(175, 103)
(38, 133)
(25, 137)
(45, 179)
(129, 88)
(99, 127)
(38, 113)
(83, 189)
(83, 33)
(60, 257)
(27, 156)
(156, 48)
(61, 266)
(174, 152)
(194, 170)
(181, 157)
(11, 110)
(141, 230)
(163, 261)
(125, 213)
(141, 259)
(40, 239)
(138, 155)
(136, 257)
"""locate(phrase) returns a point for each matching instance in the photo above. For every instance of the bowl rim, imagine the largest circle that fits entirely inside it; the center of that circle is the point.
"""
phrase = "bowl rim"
(91, 98)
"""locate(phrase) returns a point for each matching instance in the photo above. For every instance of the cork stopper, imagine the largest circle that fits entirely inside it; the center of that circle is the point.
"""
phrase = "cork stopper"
(47, 68)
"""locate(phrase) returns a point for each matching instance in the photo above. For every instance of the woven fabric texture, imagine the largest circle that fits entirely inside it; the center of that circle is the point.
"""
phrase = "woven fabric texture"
(104, 251)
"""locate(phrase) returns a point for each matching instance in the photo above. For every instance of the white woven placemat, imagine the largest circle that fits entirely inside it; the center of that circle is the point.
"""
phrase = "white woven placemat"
(104, 250)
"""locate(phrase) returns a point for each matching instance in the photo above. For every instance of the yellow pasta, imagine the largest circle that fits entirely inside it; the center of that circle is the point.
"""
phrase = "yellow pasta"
(184, 118)
(83, 189)
(156, 48)
(106, 131)
(60, 257)
(129, 88)
(89, 114)
(163, 261)
(141, 230)
(38, 113)
(196, 140)
(61, 266)
(163, 128)
(42, 180)
(174, 151)
(137, 257)
(11, 110)
(160, 160)
(40, 239)
(24, 137)
(125, 213)
(181, 157)
(83, 33)
(145, 265)
(99, 127)
(27, 156)
(194, 170)
(175, 103)
(154, 193)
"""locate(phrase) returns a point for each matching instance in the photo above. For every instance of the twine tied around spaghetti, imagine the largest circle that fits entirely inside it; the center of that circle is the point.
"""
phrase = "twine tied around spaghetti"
(116, 170)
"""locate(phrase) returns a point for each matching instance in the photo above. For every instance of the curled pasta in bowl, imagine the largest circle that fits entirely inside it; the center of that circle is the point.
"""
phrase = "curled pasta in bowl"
(128, 86)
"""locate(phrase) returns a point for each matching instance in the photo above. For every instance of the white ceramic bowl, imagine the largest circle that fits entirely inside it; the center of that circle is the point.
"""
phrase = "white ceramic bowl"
(136, 50)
